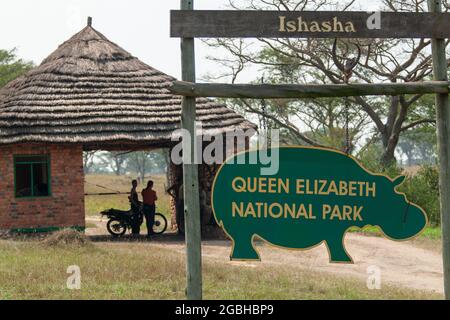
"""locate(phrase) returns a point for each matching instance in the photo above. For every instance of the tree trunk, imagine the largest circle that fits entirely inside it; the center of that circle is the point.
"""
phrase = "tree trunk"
(391, 135)
(388, 157)
(118, 166)
(143, 167)
(142, 176)
(410, 158)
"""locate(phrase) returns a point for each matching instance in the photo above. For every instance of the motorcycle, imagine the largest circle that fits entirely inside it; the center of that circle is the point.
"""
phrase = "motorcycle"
(120, 221)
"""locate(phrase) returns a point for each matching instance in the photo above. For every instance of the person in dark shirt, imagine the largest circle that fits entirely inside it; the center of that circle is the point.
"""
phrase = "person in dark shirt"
(149, 198)
(135, 208)
(134, 198)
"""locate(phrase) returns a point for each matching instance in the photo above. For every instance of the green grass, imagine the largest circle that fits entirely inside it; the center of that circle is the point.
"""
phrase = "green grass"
(30, 270)
(96, 204)
(429, 239)
(431, 233)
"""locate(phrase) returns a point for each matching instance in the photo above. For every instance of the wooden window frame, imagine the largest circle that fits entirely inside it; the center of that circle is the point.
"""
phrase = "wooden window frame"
(30, 163)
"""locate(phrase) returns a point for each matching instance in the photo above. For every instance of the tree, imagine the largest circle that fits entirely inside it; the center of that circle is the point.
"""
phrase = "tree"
(406, 147)
(419, 145)
(116, 161)
(317, 122)
(88, 161)
(420, 142)
(11, 67)
(310, 61)
(143, 162)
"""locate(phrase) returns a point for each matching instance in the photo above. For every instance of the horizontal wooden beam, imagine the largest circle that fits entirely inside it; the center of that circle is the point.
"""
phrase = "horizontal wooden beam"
(288, 91)
(308, 24)
(106, 194)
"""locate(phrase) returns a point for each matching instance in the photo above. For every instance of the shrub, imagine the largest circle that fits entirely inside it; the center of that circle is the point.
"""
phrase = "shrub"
(370, 159)
(66, 237)
(423, 190)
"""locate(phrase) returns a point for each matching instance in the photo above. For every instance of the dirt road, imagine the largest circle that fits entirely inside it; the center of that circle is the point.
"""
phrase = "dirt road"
(401, 263)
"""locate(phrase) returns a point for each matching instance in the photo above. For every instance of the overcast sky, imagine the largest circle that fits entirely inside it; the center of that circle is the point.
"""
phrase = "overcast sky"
(37, 27)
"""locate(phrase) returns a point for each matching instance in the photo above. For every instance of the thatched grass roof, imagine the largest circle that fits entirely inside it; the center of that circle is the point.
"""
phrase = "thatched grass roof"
(91, 91)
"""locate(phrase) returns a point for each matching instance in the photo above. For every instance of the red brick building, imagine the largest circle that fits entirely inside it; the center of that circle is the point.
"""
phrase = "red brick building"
(89, 94)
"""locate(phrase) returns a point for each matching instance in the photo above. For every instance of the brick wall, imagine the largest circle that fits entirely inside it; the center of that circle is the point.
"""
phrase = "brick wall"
(65, 206)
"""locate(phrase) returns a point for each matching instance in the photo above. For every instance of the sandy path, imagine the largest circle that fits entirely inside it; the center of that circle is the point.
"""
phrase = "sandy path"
(401, 263)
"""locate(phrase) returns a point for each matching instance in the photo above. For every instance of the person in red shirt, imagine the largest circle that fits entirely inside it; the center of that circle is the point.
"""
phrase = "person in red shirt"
(149, 198)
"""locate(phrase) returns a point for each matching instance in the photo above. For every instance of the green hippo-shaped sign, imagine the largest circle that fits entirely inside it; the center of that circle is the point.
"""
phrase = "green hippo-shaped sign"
(316, 197)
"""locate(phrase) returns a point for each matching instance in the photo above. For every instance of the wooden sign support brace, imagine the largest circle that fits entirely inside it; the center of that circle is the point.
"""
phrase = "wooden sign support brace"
(291, 91)
(190, 174)
(443, 132)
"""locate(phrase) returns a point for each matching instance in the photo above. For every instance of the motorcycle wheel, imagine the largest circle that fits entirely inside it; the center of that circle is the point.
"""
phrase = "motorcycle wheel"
(160, 224)
(116, 227)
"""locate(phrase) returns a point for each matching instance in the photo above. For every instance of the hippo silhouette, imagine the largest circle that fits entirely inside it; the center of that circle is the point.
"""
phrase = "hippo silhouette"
(316, 197)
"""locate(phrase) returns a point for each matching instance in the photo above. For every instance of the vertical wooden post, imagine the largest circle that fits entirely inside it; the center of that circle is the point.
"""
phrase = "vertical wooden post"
(443, 132)
(190, 174)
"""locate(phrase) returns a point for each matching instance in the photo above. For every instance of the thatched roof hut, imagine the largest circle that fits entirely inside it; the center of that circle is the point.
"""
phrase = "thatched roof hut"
(92, 92)
(89, 94)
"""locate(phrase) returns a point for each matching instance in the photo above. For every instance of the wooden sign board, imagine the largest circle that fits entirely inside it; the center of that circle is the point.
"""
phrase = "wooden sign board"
(316, 197)
(306, 24)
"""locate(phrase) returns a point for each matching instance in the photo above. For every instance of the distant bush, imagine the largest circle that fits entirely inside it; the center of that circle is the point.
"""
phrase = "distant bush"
(370, 159)
(423, 189)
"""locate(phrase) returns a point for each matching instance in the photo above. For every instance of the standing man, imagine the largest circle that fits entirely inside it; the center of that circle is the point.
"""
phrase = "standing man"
(149, 197)
(134, 201)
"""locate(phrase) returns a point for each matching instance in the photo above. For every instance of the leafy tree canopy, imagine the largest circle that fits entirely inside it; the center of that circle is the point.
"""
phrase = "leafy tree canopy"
(11, 66)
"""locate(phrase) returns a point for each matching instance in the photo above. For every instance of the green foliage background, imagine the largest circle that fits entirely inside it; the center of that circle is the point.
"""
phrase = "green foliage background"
(421, 188)
(11, 67)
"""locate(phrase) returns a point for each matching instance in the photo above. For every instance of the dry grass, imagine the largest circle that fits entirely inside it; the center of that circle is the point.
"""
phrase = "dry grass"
(434, 245)
(96, 204)
(66, 237)
(411, 171)
(29, 270)
(36, 269)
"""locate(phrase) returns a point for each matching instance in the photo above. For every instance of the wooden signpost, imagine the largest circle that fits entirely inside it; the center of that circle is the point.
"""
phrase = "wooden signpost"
(189, 24)
(440, 69)
(190, 175)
